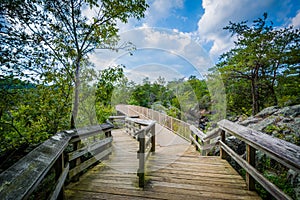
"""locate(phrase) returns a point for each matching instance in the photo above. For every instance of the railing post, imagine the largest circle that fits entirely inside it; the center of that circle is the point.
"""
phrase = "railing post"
(223, 153)
(251, 160)
(197, 140)
(59, 167)
(76, 146)
(153, 138)
(141, 155)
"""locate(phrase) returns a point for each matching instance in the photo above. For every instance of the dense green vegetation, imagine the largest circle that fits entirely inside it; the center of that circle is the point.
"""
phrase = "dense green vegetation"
(263, 68)
(45, 44)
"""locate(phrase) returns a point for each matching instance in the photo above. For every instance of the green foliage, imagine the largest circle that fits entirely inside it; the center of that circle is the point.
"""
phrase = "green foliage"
(47, 44)
(108, 79)
(56, 36)
(280, 181)
(264, 64)
(38, 112)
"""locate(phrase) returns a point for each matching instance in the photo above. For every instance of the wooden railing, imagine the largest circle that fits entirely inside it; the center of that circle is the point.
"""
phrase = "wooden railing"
(204, 142)
(21, 180)
(177, 126)
(119, 120)
(282, 151)
(144, 132)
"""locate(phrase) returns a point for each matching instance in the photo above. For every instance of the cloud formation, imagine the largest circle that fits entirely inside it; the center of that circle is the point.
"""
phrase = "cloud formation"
(296, 20)
(217, 15)
(169, 49)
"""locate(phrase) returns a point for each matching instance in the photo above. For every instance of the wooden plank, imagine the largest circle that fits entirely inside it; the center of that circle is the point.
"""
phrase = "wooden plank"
(86, 132)
(184, 175)
(60, 183)
(140, 121)
(270, 187)
(160, 192)
(223, 154)
(197, 132)
(251, 160)
(90, 148)
(284, 152)
(195, 142)
(21, 179)
(211, 135)
(123, 116)
(141, 157)
(89, 162)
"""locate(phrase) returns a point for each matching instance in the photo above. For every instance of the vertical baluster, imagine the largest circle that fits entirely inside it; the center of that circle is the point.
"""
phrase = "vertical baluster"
(223, 153)
(251, 160)
(153, 138)
(141, 155)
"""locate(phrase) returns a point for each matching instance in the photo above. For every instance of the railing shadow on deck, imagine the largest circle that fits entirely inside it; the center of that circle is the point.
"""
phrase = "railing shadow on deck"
(21, 180)
(282, 151)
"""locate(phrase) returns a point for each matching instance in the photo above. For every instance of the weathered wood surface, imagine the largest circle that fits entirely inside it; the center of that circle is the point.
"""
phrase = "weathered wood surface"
(177, 171)
(21, 179)
(273, 189)
(284, 152)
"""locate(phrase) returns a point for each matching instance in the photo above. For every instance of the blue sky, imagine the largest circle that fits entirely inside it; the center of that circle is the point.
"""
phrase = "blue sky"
(179, 38)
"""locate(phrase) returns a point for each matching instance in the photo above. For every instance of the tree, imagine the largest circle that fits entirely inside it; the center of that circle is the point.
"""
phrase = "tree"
(60, 34)
(107, 80)
(260, 55)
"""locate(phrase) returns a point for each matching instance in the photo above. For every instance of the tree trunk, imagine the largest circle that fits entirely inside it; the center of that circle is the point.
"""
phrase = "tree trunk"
(76, 96)
(254, 91)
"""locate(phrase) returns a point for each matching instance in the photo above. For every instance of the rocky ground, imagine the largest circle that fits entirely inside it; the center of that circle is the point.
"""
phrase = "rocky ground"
(283, 123)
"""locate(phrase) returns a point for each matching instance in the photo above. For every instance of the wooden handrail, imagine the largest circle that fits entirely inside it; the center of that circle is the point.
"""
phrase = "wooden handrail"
(282, 151)
(144, 132)
(177, 126)
(20, 180)
(203, 142)
(181, 128)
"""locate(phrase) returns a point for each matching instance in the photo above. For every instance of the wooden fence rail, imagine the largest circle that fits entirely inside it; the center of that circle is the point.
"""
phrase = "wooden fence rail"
(282, 151)
(203, 142)
(144, 132)
(179, 127)
(23, 178)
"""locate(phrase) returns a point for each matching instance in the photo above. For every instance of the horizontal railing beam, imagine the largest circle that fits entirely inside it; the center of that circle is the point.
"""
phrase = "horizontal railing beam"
(280, 150)
(270, 187)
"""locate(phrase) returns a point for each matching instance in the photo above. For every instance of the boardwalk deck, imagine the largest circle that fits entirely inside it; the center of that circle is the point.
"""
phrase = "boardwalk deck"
(177, 171)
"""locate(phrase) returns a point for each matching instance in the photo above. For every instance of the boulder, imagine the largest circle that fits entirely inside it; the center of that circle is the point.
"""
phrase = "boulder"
(262, 124)
(290, 111)
(267, 112)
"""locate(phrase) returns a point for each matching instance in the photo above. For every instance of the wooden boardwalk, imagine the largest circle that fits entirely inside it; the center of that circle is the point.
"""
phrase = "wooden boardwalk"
(175, 171)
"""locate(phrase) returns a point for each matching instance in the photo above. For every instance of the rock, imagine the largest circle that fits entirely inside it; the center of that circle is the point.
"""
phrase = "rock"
(250, 120)
(263, 123)
(292, 111)
(237, 145)
(267, 112)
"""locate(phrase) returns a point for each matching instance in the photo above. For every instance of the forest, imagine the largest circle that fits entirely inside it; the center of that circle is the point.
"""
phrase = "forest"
(47, 81)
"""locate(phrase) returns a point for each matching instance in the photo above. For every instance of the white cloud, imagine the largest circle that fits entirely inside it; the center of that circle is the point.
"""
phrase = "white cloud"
(296, 20)
(161, 9)
(170, 49)
(217, 15)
